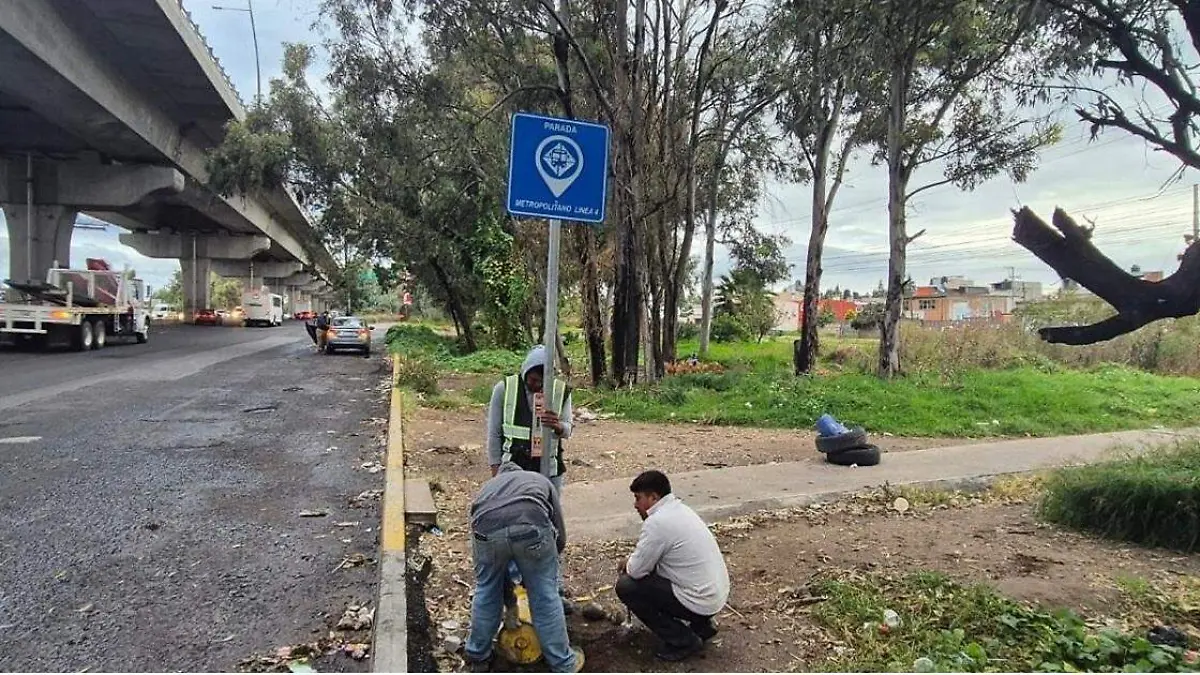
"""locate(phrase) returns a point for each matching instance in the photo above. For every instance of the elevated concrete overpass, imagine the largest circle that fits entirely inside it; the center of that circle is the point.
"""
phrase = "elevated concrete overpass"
(109, 107)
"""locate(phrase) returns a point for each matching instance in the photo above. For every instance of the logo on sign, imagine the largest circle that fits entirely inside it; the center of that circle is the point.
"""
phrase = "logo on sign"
(559, 161)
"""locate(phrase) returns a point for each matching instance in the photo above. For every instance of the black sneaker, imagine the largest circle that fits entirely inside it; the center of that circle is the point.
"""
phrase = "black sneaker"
(705, 630)
(672, 653)
(479, 666)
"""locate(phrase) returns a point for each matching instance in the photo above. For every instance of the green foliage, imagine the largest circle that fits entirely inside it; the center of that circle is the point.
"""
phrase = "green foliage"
(1013, 401)
(729, 328)
(870, 317)
(506, 287)
(742, 296)
(825, 317)
(172, 293)
(948, 627)
(225, 293)
(1151, 499)
(417, 373)
(418, 340)
(688, 331)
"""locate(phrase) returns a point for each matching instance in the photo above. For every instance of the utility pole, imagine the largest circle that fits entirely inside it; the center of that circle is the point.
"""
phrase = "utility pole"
(249, 8)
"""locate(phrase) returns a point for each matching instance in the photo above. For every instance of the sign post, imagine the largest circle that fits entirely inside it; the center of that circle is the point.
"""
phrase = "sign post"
(557, 169)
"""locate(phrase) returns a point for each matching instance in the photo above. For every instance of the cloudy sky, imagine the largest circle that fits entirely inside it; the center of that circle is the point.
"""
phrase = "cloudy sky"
(1115, 181)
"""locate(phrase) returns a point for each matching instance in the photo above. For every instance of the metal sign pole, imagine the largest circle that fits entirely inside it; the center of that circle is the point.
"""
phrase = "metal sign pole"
(550, 340)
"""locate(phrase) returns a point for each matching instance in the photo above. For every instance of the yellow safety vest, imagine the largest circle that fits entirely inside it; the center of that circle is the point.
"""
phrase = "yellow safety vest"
(522, 435)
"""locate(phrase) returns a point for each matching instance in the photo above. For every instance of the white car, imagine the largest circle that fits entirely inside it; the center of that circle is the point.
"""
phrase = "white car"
(161, 311)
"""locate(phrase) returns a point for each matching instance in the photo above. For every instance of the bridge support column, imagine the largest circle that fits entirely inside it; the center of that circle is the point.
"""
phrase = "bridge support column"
(34, 247)
(195, 275)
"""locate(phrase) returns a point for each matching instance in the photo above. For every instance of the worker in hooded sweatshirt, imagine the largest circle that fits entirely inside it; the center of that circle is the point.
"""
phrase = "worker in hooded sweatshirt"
(515, 431)
(516, 416)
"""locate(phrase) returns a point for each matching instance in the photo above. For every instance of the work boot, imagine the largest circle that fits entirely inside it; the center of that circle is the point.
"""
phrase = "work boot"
(578, 658)
(672, 653)
(705, 630)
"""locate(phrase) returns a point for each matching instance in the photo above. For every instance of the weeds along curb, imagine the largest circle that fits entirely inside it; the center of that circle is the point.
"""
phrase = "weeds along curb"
(390, 650)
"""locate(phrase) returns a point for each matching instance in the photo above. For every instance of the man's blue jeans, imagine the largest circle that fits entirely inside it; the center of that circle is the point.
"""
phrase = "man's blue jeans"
(534, 551)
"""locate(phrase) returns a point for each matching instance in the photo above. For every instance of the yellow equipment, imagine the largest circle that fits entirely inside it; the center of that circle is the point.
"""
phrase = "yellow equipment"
(518, 641)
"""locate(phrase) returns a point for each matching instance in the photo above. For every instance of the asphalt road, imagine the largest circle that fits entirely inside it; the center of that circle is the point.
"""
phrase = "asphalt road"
(151, 499)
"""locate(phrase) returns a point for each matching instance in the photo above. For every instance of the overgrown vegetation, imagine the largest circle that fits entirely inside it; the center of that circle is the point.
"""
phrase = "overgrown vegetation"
(948, 627)
(1014, 401)
(419, 342)
(1151, 499)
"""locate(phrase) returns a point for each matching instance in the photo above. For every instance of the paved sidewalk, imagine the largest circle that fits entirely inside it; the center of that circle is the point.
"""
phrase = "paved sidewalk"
(603, 510)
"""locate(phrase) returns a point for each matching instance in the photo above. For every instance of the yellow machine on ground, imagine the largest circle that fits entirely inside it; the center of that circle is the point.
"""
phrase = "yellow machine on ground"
(518, 641)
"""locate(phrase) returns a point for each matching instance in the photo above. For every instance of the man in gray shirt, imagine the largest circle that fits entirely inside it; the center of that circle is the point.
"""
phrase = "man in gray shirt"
(517, 517)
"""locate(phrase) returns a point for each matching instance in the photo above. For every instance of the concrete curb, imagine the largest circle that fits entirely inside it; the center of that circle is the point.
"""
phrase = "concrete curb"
(390, 651)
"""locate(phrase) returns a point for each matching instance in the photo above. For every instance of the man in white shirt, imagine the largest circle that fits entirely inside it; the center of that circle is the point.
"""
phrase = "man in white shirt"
(675, 581)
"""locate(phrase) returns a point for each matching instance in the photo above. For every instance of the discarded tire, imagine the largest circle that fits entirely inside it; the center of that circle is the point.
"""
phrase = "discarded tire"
(855, 438)
(867, 455)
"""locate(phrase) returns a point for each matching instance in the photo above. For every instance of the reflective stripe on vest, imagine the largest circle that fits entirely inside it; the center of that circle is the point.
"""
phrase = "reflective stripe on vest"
(512, 430)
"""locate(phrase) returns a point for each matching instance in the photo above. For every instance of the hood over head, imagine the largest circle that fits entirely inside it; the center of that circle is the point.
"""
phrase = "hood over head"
(535, 358)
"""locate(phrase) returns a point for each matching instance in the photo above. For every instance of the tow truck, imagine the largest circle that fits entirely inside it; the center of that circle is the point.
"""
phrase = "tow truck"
(82, 307)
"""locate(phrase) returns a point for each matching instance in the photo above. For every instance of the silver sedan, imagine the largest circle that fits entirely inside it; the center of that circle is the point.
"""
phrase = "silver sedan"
(349, 332)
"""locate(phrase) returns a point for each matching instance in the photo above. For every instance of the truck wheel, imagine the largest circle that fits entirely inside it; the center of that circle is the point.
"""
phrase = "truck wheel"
(99, 334)
(82, 339)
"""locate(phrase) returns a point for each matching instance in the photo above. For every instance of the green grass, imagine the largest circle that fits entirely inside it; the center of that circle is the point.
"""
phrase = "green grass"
(948, 627)
(758, 389)
(1151, 499)
(1016, 401)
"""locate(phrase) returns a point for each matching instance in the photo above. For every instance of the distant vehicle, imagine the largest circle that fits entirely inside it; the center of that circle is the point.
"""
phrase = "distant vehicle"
(262, 308)
(304, 315)
(161, 311)
(208, 317)
(349, 332)
(83, 307)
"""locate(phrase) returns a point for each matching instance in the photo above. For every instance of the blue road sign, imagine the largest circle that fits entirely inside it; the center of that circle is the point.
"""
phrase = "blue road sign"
(557, 168)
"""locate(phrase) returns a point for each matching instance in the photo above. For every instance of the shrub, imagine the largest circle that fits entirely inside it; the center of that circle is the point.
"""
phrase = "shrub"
(727, 328)
(1152, 499)
(417, 373)
(688, 331)
(408, 338)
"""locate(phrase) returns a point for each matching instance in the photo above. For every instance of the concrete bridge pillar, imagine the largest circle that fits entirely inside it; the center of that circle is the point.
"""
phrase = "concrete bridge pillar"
(35, 246)
(41, 199)
(195, 275)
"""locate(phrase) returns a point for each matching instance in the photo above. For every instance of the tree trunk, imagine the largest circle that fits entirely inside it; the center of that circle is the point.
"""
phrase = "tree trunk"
(809, 338)
(898, 174)
(706, 281)
(458, 311)
(627, 301)
(589, 286)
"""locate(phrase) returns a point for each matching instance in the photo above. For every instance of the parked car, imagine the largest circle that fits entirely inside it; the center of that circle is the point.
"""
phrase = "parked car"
(349, 332)
(208, 317)
(304, 315)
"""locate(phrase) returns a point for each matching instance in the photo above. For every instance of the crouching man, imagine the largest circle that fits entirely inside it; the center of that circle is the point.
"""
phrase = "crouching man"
(517, 517)
(675, 581)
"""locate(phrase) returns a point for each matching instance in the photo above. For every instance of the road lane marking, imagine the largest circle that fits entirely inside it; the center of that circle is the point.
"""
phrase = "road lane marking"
(19, 440)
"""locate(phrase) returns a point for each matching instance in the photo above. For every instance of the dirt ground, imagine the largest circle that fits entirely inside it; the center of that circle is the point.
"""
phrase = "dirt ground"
(451, 442)
(772, 556)
(768, 555)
